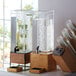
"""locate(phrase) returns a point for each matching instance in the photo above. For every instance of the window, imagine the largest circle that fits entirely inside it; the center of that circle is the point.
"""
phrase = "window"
(6, 6)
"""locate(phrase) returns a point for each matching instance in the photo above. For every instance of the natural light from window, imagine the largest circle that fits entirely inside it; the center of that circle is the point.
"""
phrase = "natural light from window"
(6, 6)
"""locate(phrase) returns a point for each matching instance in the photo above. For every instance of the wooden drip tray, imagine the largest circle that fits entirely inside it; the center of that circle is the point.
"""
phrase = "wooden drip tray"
(37, 70)
(14, 69)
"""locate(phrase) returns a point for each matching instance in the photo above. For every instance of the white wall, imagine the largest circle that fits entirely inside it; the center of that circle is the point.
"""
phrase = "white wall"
(64, 10)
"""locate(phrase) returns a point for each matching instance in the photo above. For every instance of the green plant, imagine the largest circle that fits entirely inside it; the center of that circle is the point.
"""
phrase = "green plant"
(25, 26)
(20, 46)
(1, 29)
(25, 46)
(28, 7)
